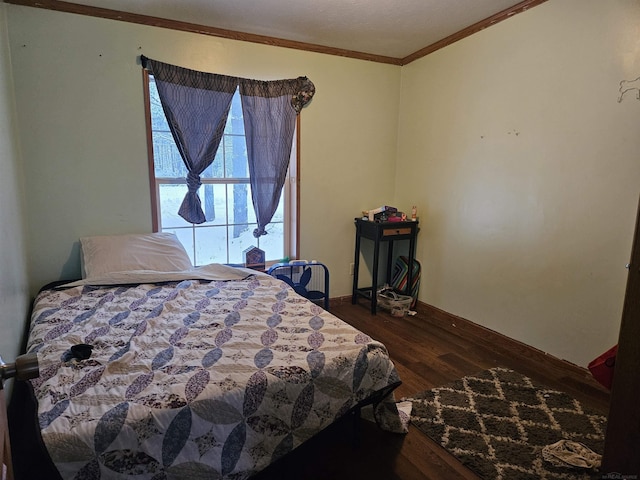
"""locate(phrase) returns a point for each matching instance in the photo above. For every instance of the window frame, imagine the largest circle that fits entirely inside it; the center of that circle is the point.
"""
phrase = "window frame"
(291, 188)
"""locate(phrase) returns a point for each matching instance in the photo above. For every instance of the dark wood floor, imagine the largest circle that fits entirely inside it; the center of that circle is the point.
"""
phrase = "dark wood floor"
(429, 349)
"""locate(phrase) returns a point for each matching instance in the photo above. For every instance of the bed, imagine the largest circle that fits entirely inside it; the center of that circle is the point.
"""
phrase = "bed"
(191, 372)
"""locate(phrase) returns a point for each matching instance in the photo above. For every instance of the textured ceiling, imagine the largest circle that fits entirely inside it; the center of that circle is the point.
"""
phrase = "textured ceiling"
(392, 28)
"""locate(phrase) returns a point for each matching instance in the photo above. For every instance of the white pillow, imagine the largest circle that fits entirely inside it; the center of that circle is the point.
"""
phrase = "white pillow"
(161, 252)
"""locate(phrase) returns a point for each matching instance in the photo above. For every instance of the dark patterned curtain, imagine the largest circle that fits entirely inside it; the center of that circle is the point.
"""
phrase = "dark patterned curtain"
(269, 110)
(197, 104)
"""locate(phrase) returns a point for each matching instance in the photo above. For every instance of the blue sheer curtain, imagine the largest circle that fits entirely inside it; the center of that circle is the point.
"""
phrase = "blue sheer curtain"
(197, 104)
(269, 110)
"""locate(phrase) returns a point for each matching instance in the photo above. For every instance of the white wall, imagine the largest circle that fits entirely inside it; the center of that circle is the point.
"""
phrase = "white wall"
(14, 295)
(79, 98)
(525, 171)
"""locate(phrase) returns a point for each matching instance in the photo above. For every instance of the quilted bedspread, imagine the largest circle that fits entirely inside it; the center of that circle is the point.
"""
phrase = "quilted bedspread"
(194, 379)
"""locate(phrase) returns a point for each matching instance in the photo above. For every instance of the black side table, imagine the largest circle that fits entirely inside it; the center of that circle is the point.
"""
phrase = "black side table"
(382, 232)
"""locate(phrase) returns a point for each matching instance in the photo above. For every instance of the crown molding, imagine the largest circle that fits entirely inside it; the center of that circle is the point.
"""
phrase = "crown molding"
(76, 8)
(471, 29)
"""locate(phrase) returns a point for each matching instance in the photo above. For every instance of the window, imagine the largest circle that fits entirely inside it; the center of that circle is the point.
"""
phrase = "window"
(225, 194)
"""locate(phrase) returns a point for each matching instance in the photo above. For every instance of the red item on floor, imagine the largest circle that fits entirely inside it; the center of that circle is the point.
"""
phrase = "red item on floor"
(602, 367)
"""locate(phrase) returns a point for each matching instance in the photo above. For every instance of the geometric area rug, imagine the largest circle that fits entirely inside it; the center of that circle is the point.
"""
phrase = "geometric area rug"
(497, 422)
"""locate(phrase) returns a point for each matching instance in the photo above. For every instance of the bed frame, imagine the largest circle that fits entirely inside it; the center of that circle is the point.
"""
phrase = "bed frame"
(31, 459)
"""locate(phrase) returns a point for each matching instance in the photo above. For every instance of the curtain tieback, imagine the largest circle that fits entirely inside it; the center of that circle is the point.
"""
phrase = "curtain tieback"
(258, 232)
(193, 182)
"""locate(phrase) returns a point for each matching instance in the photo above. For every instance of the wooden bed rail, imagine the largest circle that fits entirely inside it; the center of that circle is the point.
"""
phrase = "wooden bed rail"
(25, 367)
(6, 468)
